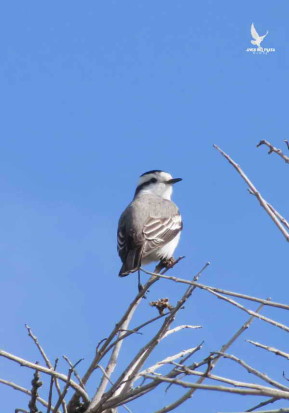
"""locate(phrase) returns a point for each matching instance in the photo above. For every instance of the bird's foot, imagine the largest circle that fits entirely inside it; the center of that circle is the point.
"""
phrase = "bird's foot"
(168, 262)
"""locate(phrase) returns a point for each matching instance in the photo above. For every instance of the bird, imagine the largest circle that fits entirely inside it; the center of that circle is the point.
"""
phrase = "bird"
(257, 39)
(149, 228)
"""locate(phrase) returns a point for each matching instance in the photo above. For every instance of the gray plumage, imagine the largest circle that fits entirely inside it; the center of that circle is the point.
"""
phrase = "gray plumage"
(150, 226)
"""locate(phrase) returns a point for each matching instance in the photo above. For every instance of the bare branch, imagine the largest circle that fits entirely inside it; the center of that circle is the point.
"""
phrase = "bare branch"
(51, 389)
(167, 360)
(265, 403)
(261, 391)
(45, 370)
(23, 390)
(226, 292)
(272, 349)
(66, 387)
(287, 143)
(36, 383)
(241, 307)
(257, 194)
(224, 348)
(74, 371)
(273, 149)
(269, 411)
(179, 328)
(45, 358)
(256, 372)
(124, 382)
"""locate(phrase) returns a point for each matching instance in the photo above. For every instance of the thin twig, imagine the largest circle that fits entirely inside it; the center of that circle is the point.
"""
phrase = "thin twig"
(219, 290)
(23, 390)
(124, 382)
(66, 387)
(273, 149)
(287, 143)
(256, 372)
(45, 370)
(272, 349)
(224, 348)
(262, 404)
(36, 383)
(74, 371)
(51, 389)
(46, 359)
(255, 192)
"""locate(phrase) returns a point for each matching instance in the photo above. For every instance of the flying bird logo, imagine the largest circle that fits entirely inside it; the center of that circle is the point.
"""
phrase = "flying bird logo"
(256, 41)
(257, 38)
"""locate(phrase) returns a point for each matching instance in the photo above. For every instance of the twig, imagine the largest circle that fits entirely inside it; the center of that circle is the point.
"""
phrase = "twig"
(224, 348)
(287, 143)
(66, 387)
(51, 389)
(282, 410)
(241, 307)
(226, 292)
(265, 403)
(167, 360)
(179, 328)
(74, 371)
(46, 359)
(273, 149)
(124, 382)
(21, 411)
(268, 348)
(262, 391)
(45, 370)
(23, 390)
(257, 373)
(255, 192)
(36, 383)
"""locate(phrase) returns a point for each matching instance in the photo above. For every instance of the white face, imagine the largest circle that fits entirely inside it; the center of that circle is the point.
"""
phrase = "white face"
(156, 183)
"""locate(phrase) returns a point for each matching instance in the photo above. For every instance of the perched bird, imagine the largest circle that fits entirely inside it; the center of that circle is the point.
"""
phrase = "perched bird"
(149, 228)
(257, 39)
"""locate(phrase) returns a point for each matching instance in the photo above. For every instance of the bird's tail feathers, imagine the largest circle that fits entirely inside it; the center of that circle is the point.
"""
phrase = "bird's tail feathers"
(132, 262)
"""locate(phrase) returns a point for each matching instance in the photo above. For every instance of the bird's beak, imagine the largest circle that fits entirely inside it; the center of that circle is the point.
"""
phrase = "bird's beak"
(174, 180)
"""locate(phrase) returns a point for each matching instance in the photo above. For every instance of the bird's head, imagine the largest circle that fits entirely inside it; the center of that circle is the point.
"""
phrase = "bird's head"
(156, 182)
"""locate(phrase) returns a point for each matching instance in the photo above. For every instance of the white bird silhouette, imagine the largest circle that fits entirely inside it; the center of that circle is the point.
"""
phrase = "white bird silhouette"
(257, 39)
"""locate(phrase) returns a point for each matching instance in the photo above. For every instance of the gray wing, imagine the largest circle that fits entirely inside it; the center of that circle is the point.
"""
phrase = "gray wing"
(159, 231)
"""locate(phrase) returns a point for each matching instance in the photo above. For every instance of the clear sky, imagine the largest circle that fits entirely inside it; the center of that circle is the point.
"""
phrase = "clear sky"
(95, 93)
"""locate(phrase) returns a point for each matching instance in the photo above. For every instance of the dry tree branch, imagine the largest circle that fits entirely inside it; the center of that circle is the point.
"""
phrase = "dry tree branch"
(167, 360)
(219, 290)
(123, 384)
(121, 332)
(46, 359)
(282, 410)
(241, 307)
(224, 348)
(287, 143)
(36, 383)
(179, 328)
(23, 390)
(66, 387)
(271, 349)
(261, 391)
(262, 404)
(273, 149)
(256, 372)
(51, 389)
(270, 210)
(45, 370)
(74, 371)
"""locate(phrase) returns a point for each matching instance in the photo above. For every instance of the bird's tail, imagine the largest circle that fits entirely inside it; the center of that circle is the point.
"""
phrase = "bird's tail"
(132, 262)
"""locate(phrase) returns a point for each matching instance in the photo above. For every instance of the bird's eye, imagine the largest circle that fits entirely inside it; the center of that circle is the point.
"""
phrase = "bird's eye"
(153, 180)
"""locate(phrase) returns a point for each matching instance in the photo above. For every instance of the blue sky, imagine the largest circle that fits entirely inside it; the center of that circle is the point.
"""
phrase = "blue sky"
(95, 93)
